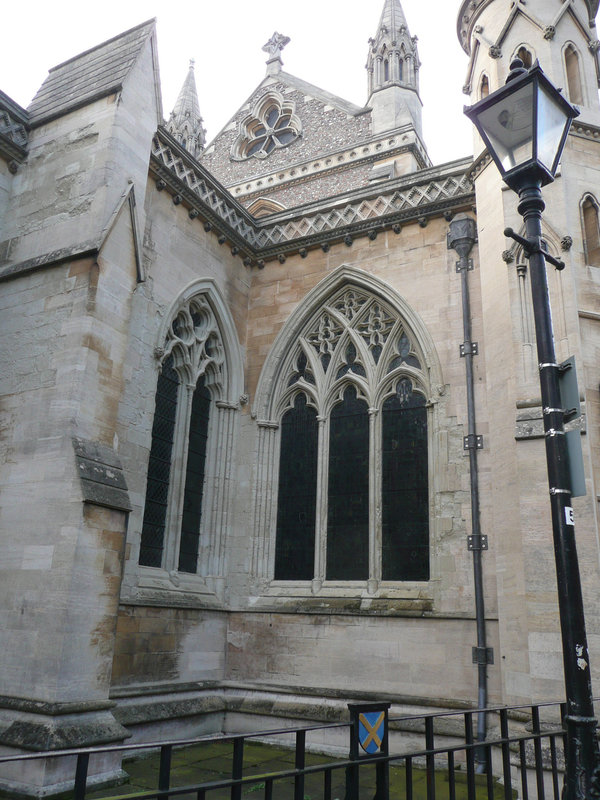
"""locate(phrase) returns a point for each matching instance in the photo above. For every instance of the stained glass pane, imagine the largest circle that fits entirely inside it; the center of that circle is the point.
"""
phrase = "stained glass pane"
(297, 499)
(348, 495)
(159, 466)
(285, 136)
(255, 146)
(194, 479)
(404, 494)
(272, 116)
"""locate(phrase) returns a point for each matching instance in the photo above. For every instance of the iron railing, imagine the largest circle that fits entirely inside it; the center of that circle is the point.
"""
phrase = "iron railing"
(522, 757)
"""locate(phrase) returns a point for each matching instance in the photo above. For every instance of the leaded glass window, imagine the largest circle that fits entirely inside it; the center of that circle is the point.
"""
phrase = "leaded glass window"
(353, 494)
(194, 478)
(404, 490)
(348, 490)
(191, 376)
(295, 551)
(272, 125)
(159, 466)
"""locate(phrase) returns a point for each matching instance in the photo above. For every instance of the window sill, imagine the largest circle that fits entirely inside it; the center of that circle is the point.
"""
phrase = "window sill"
(348, 597)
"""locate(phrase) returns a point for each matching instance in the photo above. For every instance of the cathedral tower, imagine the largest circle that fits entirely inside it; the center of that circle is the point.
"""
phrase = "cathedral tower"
(562, 36)
(185, 122)
(393, 70)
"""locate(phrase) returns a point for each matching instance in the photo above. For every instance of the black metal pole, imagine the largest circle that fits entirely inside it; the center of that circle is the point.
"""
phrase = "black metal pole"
(581, 755)
(461, 238)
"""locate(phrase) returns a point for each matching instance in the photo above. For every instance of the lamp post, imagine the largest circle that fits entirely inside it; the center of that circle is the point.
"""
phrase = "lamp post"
(524, 125)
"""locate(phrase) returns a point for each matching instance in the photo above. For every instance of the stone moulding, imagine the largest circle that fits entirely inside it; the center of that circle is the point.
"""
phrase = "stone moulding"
(332, 162)
(101, 475)
(14, 130)
(426, 193)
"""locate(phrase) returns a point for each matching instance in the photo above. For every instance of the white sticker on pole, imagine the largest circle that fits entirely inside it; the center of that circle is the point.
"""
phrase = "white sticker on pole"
(569, 517)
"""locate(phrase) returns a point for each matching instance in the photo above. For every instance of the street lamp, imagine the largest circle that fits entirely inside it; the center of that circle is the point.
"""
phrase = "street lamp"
(524, 125)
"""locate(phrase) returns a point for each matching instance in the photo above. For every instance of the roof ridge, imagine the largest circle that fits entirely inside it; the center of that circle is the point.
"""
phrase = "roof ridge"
(151, 21)
(321, 94)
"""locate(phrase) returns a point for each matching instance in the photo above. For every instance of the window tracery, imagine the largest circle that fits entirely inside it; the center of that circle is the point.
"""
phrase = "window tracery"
(272, 125)
(189, 419)
(353, 391)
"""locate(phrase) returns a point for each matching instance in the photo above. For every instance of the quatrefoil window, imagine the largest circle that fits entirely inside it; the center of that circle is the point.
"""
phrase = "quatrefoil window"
(272, 125)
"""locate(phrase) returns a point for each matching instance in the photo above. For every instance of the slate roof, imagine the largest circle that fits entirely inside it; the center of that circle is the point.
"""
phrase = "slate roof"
(320, 94)
(96, 73)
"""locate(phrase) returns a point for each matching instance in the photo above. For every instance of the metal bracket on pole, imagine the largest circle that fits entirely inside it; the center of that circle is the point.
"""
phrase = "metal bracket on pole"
(473, 442)
(477, 541)
(531, 246)
(468, 266)
(469, 349)
(483, 655)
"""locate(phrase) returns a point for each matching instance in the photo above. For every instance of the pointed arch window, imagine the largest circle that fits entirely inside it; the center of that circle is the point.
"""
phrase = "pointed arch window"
(353, 494)
(525, 55)
(191, 379)
(591, 230)
(573, 73)
(484, 88)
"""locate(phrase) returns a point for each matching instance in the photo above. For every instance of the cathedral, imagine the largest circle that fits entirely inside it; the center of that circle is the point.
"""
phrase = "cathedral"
(271, 433)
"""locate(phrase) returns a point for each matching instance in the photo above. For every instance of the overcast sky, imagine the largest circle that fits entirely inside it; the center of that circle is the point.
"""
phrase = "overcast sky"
(329, 45)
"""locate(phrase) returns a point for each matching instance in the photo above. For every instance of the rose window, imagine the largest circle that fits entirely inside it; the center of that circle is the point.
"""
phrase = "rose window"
(273, 126)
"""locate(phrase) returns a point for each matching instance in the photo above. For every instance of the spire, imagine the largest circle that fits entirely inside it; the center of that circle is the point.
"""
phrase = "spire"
(393, 56)
(392, 17)
(393, 70)
(185, 122)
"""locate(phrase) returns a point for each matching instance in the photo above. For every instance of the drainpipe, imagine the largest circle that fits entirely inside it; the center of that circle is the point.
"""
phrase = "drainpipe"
(461, 237)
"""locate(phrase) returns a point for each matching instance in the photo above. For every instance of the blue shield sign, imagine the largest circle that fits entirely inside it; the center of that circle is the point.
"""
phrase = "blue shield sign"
(371, 727)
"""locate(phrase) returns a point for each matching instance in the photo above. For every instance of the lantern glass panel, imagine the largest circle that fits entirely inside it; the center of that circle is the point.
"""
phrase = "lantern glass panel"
(551, 121)
(509, 127)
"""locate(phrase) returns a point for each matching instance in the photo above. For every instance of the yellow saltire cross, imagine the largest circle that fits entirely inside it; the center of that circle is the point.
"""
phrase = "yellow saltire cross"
(371, 730)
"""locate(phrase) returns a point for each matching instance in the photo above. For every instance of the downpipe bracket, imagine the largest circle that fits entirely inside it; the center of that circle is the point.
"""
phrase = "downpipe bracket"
(482, 655)
(477, 542)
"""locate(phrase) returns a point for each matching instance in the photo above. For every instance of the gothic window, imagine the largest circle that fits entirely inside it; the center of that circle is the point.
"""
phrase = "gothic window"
(272, 125)
(484, 88)
(159, 465)
(591, 231)
(295, 551)
(573, 75)
(353, 496)
(192, 376)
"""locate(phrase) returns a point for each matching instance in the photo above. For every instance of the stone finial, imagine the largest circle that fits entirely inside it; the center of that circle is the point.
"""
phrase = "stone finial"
(274, 47)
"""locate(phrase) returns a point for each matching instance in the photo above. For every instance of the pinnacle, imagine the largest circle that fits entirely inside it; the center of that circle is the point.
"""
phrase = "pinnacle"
(392, 17)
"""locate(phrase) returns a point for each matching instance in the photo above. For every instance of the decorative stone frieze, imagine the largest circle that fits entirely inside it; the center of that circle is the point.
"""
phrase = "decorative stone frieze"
(14, 136)
(432, 191)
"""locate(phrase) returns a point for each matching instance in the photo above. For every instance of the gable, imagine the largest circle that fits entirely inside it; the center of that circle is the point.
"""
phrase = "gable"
(318, 122)
(96, 73)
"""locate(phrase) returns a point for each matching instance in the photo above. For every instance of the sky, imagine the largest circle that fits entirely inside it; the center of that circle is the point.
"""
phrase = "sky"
(328, 47)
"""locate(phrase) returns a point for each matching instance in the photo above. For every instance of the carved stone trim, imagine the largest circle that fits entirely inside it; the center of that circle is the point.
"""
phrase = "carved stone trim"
(431, 191)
